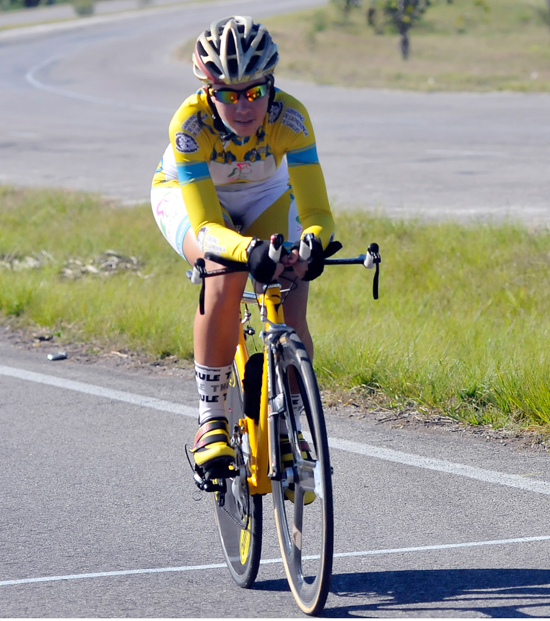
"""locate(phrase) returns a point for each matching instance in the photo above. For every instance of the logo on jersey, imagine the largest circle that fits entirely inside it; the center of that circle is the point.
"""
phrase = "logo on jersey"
(253, 156)
(185, 143)
(208, 242)
(195, 124)
(241, 171)
(293, 119)
(275, 111)
(225, 157)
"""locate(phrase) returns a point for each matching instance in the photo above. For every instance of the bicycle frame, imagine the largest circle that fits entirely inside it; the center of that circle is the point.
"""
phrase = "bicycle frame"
(260, 434)
(261, 439)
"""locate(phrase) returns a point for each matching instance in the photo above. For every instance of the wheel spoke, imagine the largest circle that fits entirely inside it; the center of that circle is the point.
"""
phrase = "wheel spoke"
(305, 522)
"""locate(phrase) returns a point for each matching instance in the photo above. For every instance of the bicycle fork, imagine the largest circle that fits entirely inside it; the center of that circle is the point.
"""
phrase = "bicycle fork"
(276, 407)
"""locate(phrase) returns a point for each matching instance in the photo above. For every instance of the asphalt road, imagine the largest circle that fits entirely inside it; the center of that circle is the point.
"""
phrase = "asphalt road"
(100, 516)
(98, 512)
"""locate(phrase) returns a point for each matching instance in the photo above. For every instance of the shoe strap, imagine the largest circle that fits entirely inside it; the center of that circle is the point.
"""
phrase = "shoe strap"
(211, 425)
(284, 447)
(218, 437)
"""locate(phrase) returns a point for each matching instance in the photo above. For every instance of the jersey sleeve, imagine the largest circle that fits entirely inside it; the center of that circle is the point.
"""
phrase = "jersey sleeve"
(305, 173)
(191, 137)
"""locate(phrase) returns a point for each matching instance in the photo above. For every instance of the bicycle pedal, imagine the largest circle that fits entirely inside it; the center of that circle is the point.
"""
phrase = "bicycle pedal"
(212, 486)
(221, 471)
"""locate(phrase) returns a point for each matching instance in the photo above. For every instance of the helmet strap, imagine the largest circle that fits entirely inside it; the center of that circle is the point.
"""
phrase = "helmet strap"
(271, 82)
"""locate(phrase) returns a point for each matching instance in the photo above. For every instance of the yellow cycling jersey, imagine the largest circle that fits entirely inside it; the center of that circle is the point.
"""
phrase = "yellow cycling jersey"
(214, 167)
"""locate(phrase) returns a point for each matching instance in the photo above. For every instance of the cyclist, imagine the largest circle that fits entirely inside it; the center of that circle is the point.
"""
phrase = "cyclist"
(241, 165)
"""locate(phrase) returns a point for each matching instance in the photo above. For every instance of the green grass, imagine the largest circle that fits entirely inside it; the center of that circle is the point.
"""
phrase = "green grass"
(462, 324)
(457, 46)
(152, 314)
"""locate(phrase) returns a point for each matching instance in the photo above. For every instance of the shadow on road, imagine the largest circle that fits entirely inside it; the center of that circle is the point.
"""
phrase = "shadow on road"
(494, 593)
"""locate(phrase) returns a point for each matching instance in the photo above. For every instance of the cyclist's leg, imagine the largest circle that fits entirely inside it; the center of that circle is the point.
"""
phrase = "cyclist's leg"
(215, 333)
(282, 217)
(238, 515)
(296, 314)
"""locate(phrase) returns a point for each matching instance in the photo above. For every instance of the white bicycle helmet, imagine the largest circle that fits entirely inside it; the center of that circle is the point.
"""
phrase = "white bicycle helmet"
(234, 50)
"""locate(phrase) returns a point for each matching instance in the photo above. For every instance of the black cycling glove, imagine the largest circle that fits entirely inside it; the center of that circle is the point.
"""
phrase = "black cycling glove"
(317, 257)
(316, 261)
(332, 248)
(261, 266)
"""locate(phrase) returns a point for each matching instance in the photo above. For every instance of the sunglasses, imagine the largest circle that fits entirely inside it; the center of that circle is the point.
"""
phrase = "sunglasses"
(229, 96)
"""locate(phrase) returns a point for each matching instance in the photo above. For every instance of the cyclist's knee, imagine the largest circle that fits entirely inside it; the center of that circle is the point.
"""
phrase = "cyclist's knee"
(223, 290)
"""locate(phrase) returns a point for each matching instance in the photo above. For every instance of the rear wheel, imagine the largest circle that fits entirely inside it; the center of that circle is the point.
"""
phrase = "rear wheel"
(238, 514)
(305, 522)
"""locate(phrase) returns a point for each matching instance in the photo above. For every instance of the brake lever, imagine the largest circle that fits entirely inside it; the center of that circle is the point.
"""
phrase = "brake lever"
(373, 259)
(306, 246)
(373, 256)
(276, 247)
(198, 277)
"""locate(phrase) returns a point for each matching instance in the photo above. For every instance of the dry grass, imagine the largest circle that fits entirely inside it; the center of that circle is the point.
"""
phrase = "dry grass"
(456, 47)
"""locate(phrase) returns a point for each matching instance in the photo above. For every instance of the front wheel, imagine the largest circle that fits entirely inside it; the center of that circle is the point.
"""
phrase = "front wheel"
(238, 514)
(303, 498)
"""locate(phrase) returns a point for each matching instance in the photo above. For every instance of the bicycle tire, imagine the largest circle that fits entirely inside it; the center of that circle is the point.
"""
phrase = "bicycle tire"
(239, 520)
(306, 531)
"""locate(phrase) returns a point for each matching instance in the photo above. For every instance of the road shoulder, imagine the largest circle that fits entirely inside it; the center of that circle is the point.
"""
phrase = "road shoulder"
(350, 406)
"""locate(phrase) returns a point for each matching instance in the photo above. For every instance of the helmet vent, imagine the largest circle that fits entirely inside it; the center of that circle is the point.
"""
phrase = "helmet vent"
(213, 69)
(272, 61)
(253, 62)
(231, 45)
(261, 45)
(233, 66)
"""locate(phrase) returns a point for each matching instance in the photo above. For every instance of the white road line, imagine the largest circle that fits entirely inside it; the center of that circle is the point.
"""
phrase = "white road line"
(270, 561)
(440, 465)
(447, 546)
(99, 391)
(31, 79)
(407, 459)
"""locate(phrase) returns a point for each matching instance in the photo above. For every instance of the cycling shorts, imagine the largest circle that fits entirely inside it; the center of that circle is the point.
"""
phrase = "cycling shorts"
(172, 219)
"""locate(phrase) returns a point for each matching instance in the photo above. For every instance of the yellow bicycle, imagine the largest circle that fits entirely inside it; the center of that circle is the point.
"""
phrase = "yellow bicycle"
(262, 419)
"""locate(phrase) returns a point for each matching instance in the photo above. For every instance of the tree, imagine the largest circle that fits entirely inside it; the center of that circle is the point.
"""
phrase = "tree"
(347, 5)
(401, 14)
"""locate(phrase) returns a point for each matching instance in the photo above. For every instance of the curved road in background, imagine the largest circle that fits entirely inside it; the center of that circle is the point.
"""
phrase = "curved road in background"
(86, 105)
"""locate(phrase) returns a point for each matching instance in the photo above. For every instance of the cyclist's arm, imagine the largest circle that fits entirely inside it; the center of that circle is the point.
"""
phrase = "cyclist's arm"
(305, 173)
(308, 185)
(205, 215)
(192, 150)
